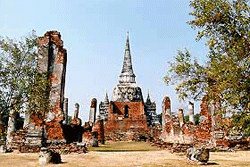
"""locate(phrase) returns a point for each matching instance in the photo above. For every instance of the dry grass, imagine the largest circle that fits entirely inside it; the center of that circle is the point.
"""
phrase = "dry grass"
(124, 147)
(127, 154)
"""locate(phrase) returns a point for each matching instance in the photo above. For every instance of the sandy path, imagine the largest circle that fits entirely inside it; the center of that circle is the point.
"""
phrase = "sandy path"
(125, 158)
(141, 158)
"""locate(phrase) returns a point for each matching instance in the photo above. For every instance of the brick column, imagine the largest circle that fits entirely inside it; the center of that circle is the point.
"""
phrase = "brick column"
(191, 112)
(92, 114)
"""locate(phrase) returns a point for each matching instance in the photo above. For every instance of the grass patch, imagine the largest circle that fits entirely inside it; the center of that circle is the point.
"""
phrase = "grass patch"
(124, 147)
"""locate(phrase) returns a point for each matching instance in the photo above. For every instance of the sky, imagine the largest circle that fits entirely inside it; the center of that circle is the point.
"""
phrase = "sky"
(94, 34)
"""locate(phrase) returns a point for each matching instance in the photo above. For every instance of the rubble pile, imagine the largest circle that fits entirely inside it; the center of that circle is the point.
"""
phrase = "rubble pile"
(173, 147)
(128, 135)
(60, 148)
(79, 148)
(18, 139)
(180, 148)
(29, 149)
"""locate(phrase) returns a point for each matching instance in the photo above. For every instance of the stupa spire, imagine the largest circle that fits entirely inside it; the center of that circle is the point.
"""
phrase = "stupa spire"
(127, 75)
(148, 101)
(106, 100)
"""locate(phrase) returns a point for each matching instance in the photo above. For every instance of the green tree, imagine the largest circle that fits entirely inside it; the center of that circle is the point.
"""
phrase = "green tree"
(186, 118)
(22, 87)
(69, 119)
(197, 119)
(225, 76)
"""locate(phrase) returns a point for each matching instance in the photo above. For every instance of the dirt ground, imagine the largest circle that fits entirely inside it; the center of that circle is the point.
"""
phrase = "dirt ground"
(123, 157)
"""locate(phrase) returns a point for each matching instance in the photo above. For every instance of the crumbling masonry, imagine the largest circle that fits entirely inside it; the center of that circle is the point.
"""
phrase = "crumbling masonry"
(52, 59)
(126, 117)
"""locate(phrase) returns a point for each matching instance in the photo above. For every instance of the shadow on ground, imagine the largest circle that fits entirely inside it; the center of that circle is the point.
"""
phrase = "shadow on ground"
(211, 163)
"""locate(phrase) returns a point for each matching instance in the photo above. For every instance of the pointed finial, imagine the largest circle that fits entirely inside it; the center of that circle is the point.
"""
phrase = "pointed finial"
(106, 97)
(127, 75)
(148, 95)
(127, 42)
(148, 99)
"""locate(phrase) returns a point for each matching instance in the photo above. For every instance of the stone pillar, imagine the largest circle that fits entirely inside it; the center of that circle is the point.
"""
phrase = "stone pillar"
(213, 110)
(204, 107)
(204, 129)
(166, 110)
(76, 111)
(11, 126)
(92, 114)
(181, 117)
(26, 120)
(52, 58)
(191, 112)
(76, 121)
(99, 128)
(65, 109)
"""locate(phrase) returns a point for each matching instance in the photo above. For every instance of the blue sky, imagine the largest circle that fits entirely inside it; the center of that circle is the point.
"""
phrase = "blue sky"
(94, 34)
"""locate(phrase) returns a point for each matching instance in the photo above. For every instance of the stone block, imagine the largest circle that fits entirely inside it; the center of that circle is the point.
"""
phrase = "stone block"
(198, 154)
(48, 156)
(3, 149)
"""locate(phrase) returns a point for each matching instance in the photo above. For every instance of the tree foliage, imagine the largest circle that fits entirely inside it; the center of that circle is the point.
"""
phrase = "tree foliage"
(197, 119)
(22, 86)
(186, 118)
(225, 76)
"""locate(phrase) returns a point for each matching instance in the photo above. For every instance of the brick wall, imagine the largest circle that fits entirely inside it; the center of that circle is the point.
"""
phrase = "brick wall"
(117, 121)
(99, 128)
(52, 58)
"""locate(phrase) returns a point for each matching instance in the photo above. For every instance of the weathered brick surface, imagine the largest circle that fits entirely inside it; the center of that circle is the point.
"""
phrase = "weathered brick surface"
(18, 139)
(203, 132)
(168, 127)
(135, 108)
(52, 59)
(59, 148)
(99, 128)
(87, 133)
(117, 121)
(176, 130)
(166, 110)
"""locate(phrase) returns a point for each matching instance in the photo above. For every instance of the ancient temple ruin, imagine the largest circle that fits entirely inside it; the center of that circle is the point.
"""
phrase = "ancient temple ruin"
(127, 111)
(53, 59)
(125, 117)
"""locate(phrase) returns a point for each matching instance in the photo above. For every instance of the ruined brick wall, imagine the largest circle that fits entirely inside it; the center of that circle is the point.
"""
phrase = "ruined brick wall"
(166, 110)
(99, 128)
(87, 133)
(135, 121)
(52, 59)
(168, 126)
(134, 108)
(203, 133)
(36, 119)
(188, 131)
(176, 130)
